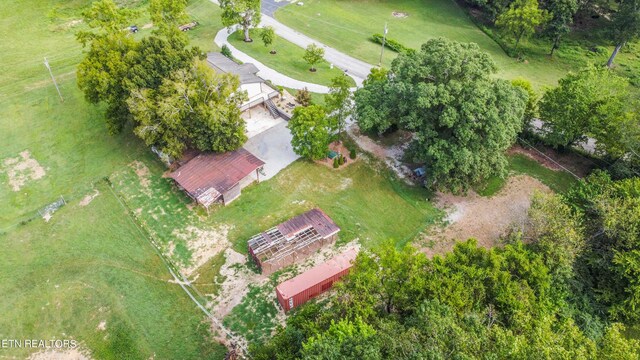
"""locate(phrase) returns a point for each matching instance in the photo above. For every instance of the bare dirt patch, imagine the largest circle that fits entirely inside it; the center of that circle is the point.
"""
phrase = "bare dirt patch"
(391, 155)
(203, 243)
(89, 198)
(143, 173)
(399, 14)
(22, 169)
(236, 284)
(102, 326)
(147, 26)
(71, 354)
(482, 218)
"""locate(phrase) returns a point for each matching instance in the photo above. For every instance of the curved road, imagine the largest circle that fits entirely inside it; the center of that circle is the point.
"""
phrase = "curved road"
(356, 69)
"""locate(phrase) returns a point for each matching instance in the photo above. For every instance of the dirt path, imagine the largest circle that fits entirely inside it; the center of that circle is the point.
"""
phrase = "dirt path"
(392, 156)
(483, 218)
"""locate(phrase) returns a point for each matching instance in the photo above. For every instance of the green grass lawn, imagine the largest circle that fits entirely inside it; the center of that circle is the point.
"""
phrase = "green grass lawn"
(365, 201)
(558, 181)
(68, 140)
(348, 25)
(288, 59)
(91, 265)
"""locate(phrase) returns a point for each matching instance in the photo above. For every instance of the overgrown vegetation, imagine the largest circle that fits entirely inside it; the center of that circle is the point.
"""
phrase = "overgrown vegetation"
(433, 93)
(541, 300)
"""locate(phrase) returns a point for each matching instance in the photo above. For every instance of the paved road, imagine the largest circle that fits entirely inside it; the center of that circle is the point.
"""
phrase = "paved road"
(265, 71)
(353, 67)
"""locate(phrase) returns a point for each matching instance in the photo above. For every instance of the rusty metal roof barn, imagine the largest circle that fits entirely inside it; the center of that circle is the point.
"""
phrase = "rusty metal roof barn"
(210, 177)
(292, 240)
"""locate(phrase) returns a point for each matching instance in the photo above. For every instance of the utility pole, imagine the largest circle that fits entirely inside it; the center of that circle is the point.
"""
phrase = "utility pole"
(46, 63)
(384, 39)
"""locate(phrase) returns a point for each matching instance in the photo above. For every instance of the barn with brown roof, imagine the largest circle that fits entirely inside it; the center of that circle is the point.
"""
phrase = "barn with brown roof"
(292, 240)
(209, 177)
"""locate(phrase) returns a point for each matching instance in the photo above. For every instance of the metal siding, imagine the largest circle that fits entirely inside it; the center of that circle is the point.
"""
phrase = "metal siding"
(313, 290)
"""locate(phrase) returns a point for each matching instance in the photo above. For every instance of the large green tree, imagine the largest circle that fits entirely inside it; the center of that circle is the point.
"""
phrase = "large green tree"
(311, 132)
(625, 26)
(339, 102)
(193, 108)
(462, 117)
(102, 72)
(521, 19)
(245, 13)
(559, 25)
(168, 15)
(611, 214)
(591, 102)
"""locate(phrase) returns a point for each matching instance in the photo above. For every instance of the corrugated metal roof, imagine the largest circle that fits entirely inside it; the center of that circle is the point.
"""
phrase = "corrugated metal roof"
(317, 274)
(246, 72)
(215, 171)
(315, 218)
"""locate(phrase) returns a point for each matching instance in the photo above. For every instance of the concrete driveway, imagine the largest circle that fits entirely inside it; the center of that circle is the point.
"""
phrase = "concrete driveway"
(274, 148)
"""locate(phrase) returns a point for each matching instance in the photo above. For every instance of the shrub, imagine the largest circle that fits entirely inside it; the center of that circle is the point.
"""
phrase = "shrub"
(336, 164)
(352, 154)
(303, 97)
(341, 160)
(391, 44)
(226, 51)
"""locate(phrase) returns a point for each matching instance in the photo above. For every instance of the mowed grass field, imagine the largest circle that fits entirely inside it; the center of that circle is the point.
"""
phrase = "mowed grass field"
(288, 59)
(68, 140)
(90, 275)
(348, 26)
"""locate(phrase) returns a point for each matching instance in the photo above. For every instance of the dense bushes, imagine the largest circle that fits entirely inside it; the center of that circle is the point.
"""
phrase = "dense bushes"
(391, 44)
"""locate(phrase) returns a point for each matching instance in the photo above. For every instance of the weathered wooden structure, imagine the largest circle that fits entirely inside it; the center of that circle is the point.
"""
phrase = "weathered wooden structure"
(292, 240)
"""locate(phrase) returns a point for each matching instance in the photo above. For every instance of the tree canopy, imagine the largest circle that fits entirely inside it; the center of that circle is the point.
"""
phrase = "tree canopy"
(521, 19)
(245, 13)
(157, 83)
(311, 132)
(591, 102)
(471, 303)
(313, 54)
(338, 102)
(193, 108)
(463, 119)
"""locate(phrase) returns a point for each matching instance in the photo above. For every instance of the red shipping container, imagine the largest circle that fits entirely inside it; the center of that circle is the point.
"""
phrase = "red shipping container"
(313, 282)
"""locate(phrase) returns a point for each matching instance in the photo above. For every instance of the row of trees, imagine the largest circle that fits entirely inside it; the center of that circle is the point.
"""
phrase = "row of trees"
(159, 84)
(554, 19)
(564, 294)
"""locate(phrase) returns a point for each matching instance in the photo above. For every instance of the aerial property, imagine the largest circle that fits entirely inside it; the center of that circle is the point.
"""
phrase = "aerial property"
(209, 178)
(292, 240)
(313, 282)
